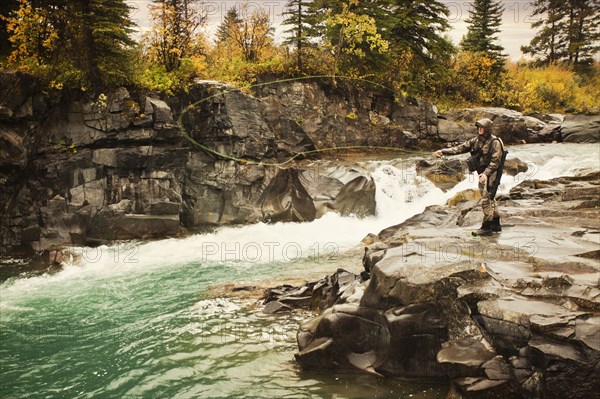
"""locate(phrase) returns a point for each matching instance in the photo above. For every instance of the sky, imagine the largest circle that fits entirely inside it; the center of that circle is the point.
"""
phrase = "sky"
(516, 24)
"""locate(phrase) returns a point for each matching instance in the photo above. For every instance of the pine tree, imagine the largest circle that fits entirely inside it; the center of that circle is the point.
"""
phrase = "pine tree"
(231, 22)
(484, 22)
(81, 44)
(546, 44)
(106, 31)
(582, 34)
(297, 18)
(568, 31)
(419, 26)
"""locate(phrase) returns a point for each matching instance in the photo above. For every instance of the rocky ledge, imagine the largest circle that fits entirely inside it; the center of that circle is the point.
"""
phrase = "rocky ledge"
(513, 315)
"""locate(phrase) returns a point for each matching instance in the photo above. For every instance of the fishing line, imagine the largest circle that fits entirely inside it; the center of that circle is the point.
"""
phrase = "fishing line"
(183, 132)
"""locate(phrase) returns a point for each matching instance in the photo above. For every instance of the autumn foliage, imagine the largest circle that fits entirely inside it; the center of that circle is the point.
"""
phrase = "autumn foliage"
(88, 45)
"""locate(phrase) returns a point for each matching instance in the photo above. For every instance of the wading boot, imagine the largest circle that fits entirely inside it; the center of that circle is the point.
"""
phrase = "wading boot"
(496, 228)
(485, 229)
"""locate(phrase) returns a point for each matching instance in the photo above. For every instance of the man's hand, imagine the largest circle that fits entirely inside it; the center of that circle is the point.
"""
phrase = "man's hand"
(438, 153)
(482, 178)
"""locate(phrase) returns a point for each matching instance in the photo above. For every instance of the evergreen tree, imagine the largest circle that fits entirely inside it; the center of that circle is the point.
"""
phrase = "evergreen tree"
(297, 18)
(231, 22)
(484, 22)
(582, 34)
(568, 31)
(107, 41)
(419, 26)
(81, 43)
(546, 45)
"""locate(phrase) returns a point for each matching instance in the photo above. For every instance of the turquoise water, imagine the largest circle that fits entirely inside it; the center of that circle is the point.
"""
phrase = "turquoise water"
(141, 320)
(153, 334)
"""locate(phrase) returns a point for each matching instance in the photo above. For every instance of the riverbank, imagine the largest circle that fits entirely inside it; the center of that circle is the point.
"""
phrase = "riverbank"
(516, 314)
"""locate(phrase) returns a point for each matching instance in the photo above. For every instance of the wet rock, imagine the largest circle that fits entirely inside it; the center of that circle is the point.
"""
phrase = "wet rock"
(499, 317)
(445, 173)
(581, 129)
(416, 336)
(464, 196)
(514, 166)
(569, 371)
(340, 287)
(466, 352)
(345, 337)
(275, 307)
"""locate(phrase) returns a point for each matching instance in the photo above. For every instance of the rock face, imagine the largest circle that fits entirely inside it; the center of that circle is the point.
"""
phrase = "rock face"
(513, 315)
(134, 166)
(336, 117)
(119, 167)
(511, 126)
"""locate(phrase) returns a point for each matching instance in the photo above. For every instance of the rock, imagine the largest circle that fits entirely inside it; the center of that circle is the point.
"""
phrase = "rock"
(416, 336)
(162, 112)
(109, 226)
(514, 166)
(581, 129)
(467, 352)
(511, 126)
(445, 174)
(340, 287)
(464, 196)
(499, 318)
(275, 307)
(346, 337)
(165, 208)
(356, 197)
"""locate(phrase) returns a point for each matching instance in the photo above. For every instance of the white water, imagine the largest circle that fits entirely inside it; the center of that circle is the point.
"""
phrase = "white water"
(401, 193)
(132, 319)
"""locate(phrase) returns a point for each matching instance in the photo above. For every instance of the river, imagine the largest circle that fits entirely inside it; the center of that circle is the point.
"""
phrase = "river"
(140, 319)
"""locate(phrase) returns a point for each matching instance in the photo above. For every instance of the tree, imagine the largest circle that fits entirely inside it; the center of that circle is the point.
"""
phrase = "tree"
(296, 13)
(582, 34)
(568, 31)
(81, 44)
(231, 21)
(107, 45)
(32, 34)
(485, 18)
(174, 33)
(348, 30)
(546, 45)
(7, 7)
(251, 35)
(420, 52)
(419, 26)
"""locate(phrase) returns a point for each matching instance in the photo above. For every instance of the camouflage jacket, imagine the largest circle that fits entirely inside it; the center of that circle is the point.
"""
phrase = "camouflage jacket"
(491, 156)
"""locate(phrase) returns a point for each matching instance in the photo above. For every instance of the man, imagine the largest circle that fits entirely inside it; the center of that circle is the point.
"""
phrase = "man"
(486, 157)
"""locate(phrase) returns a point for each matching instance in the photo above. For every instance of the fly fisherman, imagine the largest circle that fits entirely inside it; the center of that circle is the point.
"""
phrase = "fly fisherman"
(487, 158)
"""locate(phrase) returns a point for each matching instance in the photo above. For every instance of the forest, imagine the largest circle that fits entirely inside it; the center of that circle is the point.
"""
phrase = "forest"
(89, 46)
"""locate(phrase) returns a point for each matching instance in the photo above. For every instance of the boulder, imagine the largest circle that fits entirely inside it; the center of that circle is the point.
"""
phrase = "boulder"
(511, 126)
(581, 129)
(444, 173)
